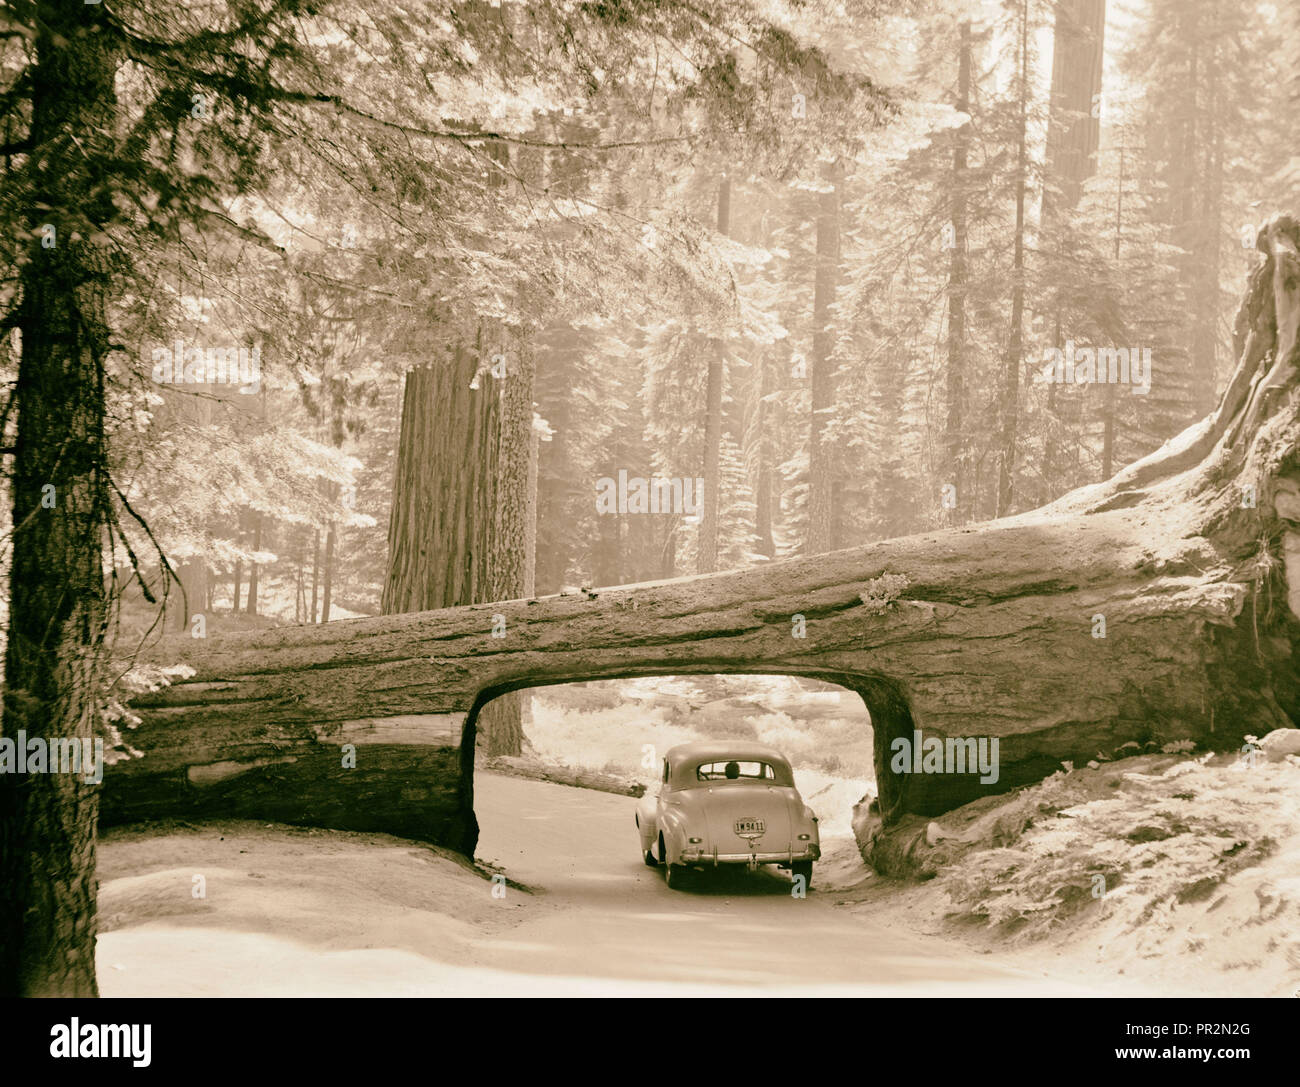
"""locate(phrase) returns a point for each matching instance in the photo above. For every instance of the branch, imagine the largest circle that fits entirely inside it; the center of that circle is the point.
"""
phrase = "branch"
(493, 137)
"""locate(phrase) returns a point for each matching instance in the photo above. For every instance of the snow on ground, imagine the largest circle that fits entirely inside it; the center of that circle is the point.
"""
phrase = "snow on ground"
(1207, 864)
(283, 911)
(292, 913)
(1183, 872)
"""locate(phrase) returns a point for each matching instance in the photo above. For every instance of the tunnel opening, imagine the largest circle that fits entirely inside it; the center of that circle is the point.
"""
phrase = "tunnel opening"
(835, 728)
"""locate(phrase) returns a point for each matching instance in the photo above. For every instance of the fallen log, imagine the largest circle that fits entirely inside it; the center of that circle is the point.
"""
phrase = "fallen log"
(1162, 605)
(519, 766)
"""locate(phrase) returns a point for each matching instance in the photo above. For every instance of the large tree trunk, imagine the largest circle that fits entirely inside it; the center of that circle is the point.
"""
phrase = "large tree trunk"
(57, 606)
(1009, 400)
(193, 577)
(530, 514)
(707, 558)
(607, 551)
(327, 588)
(444, 494)
(1189, 227)
(1074, 126)
(954, 429)
(1073, 136)
(1108, 413)
(315, 579)
(501, 726)
(668, 549)
(516, 477)
(820, 452)
(254, 569)
(1208, 267)
(764, 457)
(299, 595)
(987, 630)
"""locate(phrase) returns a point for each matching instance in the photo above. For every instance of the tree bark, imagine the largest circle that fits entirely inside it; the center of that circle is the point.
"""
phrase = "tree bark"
(1208, 270)
(954, 432)
(61, 498)
(193, 576)
(764, 492)
(707, 557)
(315, 578)
(517, 471)
(254, 568)
(500, 723)
(1009, 401)
(1108, 407)
(820, 453)
(530, 514)
(327, 592)
(444, 492)
(1073, 136)
(668, 549)
(1074, 127)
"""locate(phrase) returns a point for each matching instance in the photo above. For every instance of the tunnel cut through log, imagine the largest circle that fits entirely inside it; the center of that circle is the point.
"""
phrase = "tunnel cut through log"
(885, 702)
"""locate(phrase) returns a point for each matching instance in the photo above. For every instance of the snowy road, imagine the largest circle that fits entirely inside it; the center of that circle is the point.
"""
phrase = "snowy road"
(301, 912)
(619, 920)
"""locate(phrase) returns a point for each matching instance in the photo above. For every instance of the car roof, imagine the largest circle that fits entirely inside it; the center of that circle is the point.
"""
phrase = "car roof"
(723, 751)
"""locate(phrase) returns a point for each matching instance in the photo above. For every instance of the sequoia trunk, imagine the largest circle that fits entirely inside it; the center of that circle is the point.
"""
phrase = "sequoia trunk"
(820, 451)
(500, 723)
(444, 495)
(61, 496)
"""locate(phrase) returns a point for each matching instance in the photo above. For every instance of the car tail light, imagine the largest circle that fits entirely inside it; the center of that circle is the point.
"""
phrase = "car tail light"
(695, 841)
(804, 837)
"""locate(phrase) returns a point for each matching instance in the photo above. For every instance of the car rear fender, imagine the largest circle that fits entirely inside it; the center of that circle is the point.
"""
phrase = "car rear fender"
(673, 821)
(803, 820)
(647, 821)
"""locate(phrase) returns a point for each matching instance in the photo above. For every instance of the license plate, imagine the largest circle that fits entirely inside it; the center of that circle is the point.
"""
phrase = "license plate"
(750, 826)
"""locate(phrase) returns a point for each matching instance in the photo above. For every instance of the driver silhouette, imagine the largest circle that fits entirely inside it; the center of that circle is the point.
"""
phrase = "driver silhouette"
(733, 771)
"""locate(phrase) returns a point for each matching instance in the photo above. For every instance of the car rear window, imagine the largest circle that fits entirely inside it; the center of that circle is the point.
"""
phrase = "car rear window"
(740, 771)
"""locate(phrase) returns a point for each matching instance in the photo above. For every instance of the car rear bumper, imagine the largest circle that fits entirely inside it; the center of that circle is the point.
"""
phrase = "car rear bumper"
(805, 852)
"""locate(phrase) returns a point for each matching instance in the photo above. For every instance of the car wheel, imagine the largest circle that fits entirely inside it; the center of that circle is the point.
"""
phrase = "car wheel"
(674, 874)
(802, 868)
(650, 859)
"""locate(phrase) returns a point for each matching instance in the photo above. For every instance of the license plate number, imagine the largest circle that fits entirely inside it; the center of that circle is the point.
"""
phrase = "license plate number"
(750, 826)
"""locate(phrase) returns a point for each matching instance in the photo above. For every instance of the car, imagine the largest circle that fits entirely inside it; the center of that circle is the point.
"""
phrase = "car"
(727, 803)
